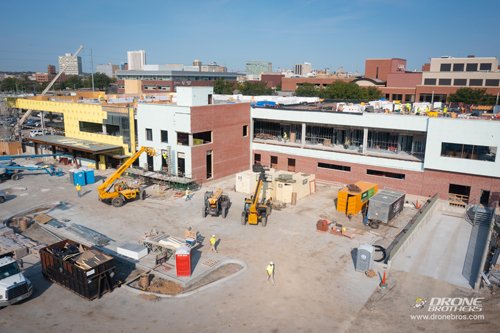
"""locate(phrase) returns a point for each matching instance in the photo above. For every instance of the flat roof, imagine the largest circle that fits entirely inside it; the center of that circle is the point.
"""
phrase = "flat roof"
(175, 73)
(75, 144)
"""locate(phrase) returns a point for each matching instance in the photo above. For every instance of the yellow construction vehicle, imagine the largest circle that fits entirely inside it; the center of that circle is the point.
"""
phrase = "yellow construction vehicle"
(216, 203)
(256, 211)
(117, 192)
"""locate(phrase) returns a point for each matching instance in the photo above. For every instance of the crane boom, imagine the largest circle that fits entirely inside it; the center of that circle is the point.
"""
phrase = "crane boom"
(28, 113)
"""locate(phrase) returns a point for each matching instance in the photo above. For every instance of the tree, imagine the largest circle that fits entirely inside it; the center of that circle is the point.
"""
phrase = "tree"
(254, 89)
(72, 82)
(472, 96)
(224, 87)
(8, 84)
(101, 81)
(307, 90)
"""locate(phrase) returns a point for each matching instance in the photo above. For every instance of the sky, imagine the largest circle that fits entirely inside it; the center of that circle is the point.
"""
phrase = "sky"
(327, 33)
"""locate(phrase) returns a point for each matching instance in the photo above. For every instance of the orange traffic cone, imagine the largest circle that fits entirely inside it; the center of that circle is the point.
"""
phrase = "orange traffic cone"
(383, 283)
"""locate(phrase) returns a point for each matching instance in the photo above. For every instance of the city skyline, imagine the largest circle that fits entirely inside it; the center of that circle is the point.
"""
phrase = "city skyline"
(328, 34)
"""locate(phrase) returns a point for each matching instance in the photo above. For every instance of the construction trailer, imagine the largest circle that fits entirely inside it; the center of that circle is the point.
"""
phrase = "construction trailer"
(384, 206)
(354, 197)
(84, 270)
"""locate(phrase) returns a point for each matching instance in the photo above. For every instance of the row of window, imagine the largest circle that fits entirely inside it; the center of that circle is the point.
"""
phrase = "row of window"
(368, 171)
(459, 67)
(183, 138)
(469, 152)
(163, 135)
(462, 82)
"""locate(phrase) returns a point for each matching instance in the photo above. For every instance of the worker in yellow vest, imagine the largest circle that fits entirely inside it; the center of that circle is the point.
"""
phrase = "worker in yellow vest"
(270, 272)
(213, 242)
(79, 190)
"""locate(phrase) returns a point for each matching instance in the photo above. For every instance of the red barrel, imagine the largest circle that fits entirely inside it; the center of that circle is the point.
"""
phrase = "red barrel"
(183, 261)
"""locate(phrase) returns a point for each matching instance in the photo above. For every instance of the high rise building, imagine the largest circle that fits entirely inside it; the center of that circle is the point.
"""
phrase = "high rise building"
(136, 60)
(73, 64)
(255, 68)
(109, 69)
(303, 69)
(51, 69)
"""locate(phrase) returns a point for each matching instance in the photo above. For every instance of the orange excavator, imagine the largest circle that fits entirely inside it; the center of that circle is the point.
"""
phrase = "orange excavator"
(118, 192)
(256, 210)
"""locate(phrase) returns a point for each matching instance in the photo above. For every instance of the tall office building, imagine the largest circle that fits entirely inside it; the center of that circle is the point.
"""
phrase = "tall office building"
(73, 64)
(303, 69)
(136, 60)
(255, 68)
(109, 69)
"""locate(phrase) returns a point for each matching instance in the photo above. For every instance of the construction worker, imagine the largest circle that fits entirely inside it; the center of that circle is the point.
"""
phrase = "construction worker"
(285, 137)
(188, 194)
(270, 272)
(213, 242)
(79, 190)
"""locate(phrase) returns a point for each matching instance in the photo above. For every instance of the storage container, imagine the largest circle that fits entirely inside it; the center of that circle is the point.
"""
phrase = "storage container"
(351, 199)
(79, 177)
(385, 205)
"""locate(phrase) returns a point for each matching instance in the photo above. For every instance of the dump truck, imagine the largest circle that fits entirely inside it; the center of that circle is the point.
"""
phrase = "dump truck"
(86, 271)
(14, 286)
(384, 206)
(216, 203)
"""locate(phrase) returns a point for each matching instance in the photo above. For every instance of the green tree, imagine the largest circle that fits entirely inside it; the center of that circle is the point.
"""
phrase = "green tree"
(72, 82)
(307, 90)
(224, 87)
(8, 84)
(254, 89)
(472, 96)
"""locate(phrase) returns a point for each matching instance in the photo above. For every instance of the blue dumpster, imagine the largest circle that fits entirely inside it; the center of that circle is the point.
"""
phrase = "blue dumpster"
(89, 176)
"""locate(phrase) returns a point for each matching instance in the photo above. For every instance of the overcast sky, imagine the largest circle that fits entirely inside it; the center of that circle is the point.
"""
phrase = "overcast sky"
(327, 33)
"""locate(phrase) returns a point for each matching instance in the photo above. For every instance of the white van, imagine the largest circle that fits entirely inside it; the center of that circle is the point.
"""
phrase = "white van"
(34, 133)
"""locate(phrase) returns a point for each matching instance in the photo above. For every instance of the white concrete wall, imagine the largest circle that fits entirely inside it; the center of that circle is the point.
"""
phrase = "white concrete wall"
(472, 132)
(193, 96)
(370, 120)
(436, 62)
(169, 118)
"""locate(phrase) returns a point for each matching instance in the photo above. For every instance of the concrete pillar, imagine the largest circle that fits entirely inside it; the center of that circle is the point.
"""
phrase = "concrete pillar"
(190, 140)
(365, 140)
(104, 129)
(303, 136)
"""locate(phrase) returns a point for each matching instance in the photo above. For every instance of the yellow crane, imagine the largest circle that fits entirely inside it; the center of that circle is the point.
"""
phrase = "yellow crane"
(256, 211)
(118, 192)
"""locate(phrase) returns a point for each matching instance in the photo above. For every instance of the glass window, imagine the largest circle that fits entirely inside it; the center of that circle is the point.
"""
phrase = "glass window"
(471, 68)
(164, 136)
(334, 166)
(475, 82)
(149, 134)
(458, 67)
(445, 82)
(245, 130)
(445, 68)
(202, 138)
(492, 82)
(385, 174)
(470, 152)
(460, 82)
(485, 67)
(430, 82)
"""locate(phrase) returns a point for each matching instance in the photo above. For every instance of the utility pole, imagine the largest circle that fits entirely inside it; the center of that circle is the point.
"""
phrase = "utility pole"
(92, 70)
(496, 103)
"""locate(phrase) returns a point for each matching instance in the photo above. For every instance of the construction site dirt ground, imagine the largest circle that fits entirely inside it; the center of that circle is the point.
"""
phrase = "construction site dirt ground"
(316, 290)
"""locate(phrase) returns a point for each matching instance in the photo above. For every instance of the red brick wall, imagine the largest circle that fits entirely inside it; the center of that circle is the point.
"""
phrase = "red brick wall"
(385, 66)
(423, 183)
(230, 149)
(290, 83)
(271, 80)
(407, 80)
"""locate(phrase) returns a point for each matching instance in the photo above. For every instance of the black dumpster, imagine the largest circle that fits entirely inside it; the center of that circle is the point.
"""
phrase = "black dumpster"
(83, 270)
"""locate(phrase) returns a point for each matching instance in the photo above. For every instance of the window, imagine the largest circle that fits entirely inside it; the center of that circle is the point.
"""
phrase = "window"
(334, 167)
(458, 67)
(397, 97)
(149, 134)
(182, 139)
(471, 68)
(430, 82)
(89, 127)
(291, 164)
(492, 82)
(470, 152)
(460, 82)
(164, 136)
(257, 158)
(385, 174)
(202, 137)
(445, 82)
(245, 130)
(409, 98)
(445, 68)
(475, 82)
(274, 161)
(485, 67)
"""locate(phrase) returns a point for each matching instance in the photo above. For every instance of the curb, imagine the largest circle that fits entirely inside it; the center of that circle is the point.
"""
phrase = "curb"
(202, 288)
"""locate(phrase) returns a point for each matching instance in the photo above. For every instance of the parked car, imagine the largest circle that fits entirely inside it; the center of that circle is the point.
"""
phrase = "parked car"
(34, 133)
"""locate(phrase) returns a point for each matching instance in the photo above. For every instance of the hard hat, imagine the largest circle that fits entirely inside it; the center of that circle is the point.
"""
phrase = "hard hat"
(213, 235)
(271, 263)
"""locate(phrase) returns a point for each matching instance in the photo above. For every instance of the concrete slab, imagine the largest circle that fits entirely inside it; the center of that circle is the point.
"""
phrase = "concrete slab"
(439, 250)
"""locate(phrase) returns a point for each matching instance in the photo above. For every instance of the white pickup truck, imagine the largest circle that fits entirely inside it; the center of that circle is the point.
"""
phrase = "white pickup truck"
(14, 286)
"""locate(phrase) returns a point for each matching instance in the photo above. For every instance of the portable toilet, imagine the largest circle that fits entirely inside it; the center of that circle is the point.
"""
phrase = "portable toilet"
(183, 261)
(89, 176)
(79, 178)
(352, 198)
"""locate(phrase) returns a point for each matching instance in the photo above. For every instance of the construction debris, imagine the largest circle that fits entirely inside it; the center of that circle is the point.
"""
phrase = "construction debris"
(91, 235)
(15, 244)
